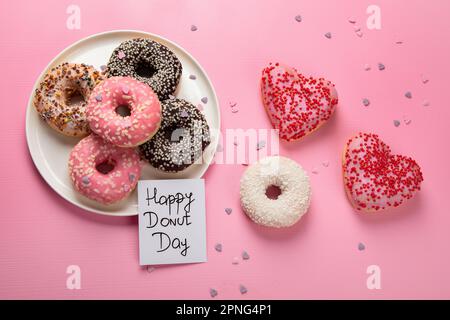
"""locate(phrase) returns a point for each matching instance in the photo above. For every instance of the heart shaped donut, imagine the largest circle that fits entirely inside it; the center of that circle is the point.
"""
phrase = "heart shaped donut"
(374, 178)
(296, 105)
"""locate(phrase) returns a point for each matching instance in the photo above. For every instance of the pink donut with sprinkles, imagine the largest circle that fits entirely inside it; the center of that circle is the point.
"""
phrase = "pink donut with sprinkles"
(124, 111)
(103, 172)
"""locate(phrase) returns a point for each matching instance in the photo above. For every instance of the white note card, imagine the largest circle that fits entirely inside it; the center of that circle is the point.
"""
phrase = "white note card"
(172, 222)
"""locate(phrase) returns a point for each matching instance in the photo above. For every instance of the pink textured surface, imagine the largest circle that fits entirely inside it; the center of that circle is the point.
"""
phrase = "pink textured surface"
(41, 234)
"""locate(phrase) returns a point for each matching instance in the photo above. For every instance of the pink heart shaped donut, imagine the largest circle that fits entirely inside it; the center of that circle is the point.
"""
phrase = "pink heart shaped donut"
(296, 105)
(374, 178)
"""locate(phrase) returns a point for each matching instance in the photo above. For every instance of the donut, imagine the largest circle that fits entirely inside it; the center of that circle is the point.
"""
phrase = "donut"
(181, 139)
(292, 192)
(103, 172)
(296, 105)
(376, 179)
(61, 97)
(147, 61)
(123, 111)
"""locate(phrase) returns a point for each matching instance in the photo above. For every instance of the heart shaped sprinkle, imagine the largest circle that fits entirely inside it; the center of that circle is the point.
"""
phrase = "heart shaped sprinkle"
(213, 292)
(218, 247)
(243, 289)
(245, 255)
(374, 178)
(381, 67)
(361, 246)
(235, 261)
(204, 100)
(228, 210)
(328, 35)
(298, 18)
(98, 97)
(296, 105)
(121, 54)
(125, 89)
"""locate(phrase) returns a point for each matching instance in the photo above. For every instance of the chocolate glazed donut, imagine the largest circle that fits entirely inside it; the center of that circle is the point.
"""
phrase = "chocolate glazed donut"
(147, 61)
(181, 139)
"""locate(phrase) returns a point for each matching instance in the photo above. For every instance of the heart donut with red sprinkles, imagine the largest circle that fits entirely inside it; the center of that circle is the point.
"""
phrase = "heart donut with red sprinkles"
(297, 105)
(376, 179)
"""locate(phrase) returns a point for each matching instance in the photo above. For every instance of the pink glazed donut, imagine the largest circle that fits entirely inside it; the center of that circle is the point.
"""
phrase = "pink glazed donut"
(124, 111)
(103, 172)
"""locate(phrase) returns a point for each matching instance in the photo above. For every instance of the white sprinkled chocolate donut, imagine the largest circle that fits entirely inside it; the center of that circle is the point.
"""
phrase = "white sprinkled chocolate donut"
(181, 140)
(103, 172)
(61, 97)
(124, 111)
(147, 61)
(293, 187)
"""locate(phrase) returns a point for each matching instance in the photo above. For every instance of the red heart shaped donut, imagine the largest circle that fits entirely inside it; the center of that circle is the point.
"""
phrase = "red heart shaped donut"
(296, 105)
(374, 178)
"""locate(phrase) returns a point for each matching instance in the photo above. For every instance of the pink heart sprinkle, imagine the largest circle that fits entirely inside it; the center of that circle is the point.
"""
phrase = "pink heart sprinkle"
(125, 89)
(121, 55)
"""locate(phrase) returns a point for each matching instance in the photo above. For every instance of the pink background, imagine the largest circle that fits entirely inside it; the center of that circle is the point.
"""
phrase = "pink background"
(41, 234)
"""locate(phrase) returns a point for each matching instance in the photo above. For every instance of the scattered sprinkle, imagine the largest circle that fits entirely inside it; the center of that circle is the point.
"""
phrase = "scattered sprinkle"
(213, 292)
(103, 67)
(406, 120)
(218, 247)
(367, 67)
(261, 144)
(85, 180)
(396, 123)
(381, 67)
(125, 89)
(228, 211)
(150, 269)
(126, 188)
(326, 164)
(424, 79)
(194, 28)
(357, 28)
(235, 261)
(315, 171)
(398, 41)
(98, 97)
(298, 18)
(408, 95)
(121, 54)
(361, 246)
(242, 289)
(359, 33)
(204, 100)
(184, 114)
(352, 20)
(192, 77)
(328, 35)
(245, 255)
(131, 177)
(426, 103)
(366, 102)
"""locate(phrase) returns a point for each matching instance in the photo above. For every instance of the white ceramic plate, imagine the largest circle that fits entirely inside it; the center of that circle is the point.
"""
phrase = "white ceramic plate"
(50, 150)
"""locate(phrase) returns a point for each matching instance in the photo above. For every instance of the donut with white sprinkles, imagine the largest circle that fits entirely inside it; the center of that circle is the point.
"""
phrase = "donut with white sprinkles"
(61, 97)
(124, 111)
(103, 172)
(147, 61)
(180, 141)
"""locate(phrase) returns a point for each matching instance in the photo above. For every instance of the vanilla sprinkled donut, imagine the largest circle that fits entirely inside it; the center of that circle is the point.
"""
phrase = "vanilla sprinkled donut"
(181, 140)
(103, 172)
(61, 97)
(147, 61)
(124, 111)
(374, 178)
(294, 188)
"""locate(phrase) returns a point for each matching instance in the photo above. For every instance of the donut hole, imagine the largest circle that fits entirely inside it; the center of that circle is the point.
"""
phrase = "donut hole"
(123, 110)
(73, 97)
(273, 192)
(106, 166)
(145, 70)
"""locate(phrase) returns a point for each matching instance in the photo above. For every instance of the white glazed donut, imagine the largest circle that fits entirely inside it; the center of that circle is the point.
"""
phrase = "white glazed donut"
(293, 200)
